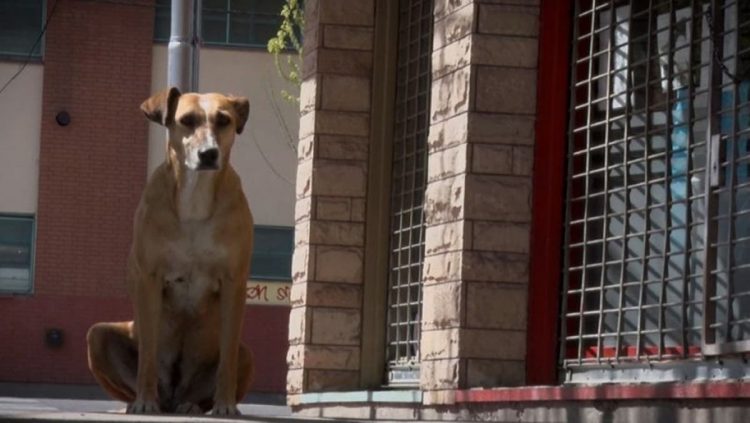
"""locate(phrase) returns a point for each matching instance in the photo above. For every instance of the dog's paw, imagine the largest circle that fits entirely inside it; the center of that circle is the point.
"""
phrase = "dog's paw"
(143, 407)
(225, 410)
(188, 408)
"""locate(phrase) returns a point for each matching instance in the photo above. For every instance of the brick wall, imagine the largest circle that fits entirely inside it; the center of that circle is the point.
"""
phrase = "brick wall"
(97, 67)
(477, 202)
(478, 198)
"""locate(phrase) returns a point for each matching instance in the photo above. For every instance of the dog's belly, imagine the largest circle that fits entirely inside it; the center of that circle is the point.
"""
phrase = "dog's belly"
(190, 293)
(195, 265)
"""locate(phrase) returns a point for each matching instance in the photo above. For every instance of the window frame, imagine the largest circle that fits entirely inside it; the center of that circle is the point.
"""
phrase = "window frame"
(6, 56)
(32, 253)
(377, 235)
(227, 27)
(254, 277)
(548, 194)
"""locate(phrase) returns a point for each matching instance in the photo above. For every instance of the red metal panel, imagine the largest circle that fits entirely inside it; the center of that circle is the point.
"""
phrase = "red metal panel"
(265, 332)
(549, 165)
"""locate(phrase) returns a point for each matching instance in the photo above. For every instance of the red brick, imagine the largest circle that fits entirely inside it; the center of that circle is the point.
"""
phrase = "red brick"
(97, 67)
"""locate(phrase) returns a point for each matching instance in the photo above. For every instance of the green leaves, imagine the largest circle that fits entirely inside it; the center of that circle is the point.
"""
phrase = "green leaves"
(287, 38)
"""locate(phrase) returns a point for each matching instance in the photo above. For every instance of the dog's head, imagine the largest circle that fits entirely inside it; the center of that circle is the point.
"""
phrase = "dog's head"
(201, 126)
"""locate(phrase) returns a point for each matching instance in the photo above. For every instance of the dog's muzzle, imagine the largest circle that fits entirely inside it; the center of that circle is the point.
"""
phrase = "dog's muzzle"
(208, 159)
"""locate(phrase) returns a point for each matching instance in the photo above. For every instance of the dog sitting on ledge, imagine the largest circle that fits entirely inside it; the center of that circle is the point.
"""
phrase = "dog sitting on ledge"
(186, 272)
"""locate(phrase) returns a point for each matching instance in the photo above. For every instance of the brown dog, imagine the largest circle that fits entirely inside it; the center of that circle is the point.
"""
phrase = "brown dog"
(187, 270)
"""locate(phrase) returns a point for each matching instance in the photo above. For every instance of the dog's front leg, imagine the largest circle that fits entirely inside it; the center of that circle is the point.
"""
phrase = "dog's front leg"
(148, 299)
(232, 302)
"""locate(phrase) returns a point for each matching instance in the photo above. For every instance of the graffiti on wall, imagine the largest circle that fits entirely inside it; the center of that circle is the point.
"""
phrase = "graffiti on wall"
(268, 293)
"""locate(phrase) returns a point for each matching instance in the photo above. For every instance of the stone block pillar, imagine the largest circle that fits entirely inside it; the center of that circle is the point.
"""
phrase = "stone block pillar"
(325, 320)
(478, 198)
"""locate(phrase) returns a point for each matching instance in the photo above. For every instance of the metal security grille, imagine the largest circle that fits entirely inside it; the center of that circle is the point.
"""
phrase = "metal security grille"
(727, 297)
(411, 121)
(651, 82)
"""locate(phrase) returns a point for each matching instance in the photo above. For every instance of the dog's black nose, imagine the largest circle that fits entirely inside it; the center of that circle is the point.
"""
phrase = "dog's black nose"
(208, 157)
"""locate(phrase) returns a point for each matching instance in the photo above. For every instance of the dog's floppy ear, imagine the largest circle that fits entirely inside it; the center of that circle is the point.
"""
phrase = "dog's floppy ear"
(161, 106)
(242, 109)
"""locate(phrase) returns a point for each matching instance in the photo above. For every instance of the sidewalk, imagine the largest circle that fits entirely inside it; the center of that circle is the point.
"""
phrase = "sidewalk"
(83, 403)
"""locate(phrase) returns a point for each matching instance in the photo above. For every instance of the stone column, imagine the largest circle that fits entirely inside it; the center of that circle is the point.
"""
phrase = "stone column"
(478, 199)
(326, 296)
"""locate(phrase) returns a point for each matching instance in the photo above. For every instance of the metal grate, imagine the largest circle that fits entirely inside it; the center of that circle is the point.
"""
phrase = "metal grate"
(727, 299)
(409, 178)
(642, 104)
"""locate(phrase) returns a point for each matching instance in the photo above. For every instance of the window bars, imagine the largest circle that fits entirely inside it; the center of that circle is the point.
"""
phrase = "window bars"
(409, 177)
(652, 81)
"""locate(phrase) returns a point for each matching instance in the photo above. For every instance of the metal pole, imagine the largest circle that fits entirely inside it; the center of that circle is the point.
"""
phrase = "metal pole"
(197, 18)
(181, 46)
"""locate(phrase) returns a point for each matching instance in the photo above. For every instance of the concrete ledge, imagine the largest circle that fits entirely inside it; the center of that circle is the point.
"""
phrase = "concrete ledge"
(608, 392)
(108, 417)
(47, 414)
(393, 396)
(688, 411)
(39, 409)
(94, 392)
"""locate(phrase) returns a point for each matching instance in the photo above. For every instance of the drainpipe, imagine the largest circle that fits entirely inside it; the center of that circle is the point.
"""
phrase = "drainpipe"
(197, 18)
(182, 64)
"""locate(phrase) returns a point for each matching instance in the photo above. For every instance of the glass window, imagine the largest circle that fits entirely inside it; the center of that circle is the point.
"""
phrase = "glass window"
(16, 254)
(214, 23)
(272, 253)
(20, 26)
(229, 22)
(162, 20)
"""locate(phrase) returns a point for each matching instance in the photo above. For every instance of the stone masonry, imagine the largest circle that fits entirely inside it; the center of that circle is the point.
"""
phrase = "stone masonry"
(327, 270)
(478, 199)
(477, 203)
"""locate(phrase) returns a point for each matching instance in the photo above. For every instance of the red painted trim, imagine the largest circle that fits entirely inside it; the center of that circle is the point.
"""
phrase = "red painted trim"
(632, 352)
(712, 390)
(549, 171)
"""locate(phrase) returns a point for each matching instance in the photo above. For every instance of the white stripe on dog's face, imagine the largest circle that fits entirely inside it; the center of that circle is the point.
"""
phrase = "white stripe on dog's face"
(204, 131)
(206, 105)
(202, 137)
(210, 137)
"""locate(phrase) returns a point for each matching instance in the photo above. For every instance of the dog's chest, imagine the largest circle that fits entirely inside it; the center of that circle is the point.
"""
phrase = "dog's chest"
(194, 266)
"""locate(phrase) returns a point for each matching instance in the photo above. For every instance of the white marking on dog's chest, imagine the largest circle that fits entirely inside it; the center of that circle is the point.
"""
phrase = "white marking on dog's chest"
(192, 273)
(196, 197)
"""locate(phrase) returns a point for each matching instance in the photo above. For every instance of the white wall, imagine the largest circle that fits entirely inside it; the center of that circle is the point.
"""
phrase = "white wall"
(249, 73)
(20, 132)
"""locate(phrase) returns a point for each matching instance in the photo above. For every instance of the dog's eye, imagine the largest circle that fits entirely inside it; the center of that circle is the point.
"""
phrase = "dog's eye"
(222, 120)
(188, 121)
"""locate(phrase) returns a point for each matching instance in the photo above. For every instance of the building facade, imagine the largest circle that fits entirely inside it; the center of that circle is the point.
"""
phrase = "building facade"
(77, 151)
(522, 210)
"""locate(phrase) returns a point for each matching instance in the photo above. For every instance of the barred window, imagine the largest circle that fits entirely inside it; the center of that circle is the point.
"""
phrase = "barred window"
(657, 260)
(408, 181)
